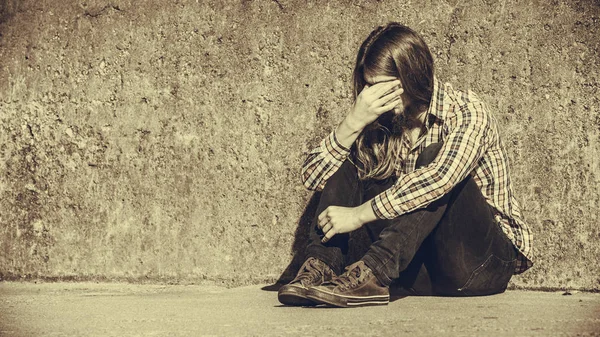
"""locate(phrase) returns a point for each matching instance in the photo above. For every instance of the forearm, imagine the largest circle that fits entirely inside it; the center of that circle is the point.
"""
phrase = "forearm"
(348, 130)
(322, 162)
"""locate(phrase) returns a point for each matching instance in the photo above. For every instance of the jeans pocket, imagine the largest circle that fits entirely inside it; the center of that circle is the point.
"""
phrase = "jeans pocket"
(490, 278)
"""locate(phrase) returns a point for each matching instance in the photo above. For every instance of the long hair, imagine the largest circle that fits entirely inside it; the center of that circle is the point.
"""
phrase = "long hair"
(398, 51)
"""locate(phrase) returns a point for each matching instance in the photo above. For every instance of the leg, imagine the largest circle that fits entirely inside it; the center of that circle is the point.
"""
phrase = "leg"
(401, 238)
(359, 285)
(342, 189)
(457, 239)
(324, 261)
(414, 279)
(468, 253)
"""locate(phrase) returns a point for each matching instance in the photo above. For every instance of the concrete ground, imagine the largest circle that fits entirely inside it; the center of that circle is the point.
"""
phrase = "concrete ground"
(90, 309)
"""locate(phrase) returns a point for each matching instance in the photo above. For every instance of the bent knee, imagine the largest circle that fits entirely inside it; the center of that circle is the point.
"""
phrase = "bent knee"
(428, 155)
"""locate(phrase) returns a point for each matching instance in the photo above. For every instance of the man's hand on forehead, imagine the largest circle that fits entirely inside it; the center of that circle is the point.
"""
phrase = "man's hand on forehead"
(393, 88)
(390, 85)
(383, 87)
(375, 100)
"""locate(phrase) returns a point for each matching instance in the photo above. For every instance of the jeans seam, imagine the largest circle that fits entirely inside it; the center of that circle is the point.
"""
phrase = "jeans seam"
(477, 270)
(370, 261)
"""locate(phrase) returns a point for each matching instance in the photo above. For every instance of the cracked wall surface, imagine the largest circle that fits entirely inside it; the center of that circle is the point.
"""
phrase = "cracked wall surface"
(161, 142)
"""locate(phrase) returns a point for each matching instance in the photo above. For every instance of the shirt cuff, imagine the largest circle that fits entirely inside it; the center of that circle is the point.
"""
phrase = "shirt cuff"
(334, 148)
(382, 206)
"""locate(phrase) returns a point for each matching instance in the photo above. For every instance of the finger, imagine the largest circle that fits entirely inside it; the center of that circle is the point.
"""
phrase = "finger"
(323, 223)
(323, 215)
(383, 87)
(374, 88)
(327, 227)
(389, 97)
(387, 107)
(394, 88)
(328, 236)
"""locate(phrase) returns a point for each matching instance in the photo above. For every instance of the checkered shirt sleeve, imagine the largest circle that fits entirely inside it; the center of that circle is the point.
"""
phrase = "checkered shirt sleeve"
(464, 146)
(322, 162)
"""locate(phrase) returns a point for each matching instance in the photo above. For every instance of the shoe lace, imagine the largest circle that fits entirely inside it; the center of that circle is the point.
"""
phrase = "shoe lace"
(311, 271)
(350, 279)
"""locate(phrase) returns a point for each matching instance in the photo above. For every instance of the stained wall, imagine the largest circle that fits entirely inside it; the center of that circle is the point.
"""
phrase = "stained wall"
(161, 142)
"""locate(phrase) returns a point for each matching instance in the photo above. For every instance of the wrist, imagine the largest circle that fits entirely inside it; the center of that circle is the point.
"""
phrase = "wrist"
(366, 213)
(353, 124)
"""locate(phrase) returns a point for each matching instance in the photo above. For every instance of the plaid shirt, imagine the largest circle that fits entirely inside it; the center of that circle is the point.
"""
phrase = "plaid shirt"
(471, 145)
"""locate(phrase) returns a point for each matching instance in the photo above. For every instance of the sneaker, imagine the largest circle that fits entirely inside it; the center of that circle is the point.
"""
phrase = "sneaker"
(312, 273)
(356, 287)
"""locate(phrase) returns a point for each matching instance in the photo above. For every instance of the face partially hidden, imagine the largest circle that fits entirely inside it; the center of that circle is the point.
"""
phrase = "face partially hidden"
(372, 80)
(392, 119)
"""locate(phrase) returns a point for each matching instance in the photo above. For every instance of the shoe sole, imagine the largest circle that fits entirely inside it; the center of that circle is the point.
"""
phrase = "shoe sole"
(295, 297)
(345, 301)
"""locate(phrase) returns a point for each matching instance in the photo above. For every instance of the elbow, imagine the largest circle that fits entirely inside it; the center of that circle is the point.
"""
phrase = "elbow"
(311, 187)
(312, 184)
(306, 181)
(445, 181)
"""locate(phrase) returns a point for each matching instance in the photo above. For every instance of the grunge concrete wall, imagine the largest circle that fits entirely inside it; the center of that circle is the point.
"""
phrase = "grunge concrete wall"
(161, 141)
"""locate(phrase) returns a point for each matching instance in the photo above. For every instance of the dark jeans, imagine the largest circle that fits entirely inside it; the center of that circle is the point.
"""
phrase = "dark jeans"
(453, 247)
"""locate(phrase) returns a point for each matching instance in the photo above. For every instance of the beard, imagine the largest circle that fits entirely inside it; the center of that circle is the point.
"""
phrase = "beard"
(397, 123)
